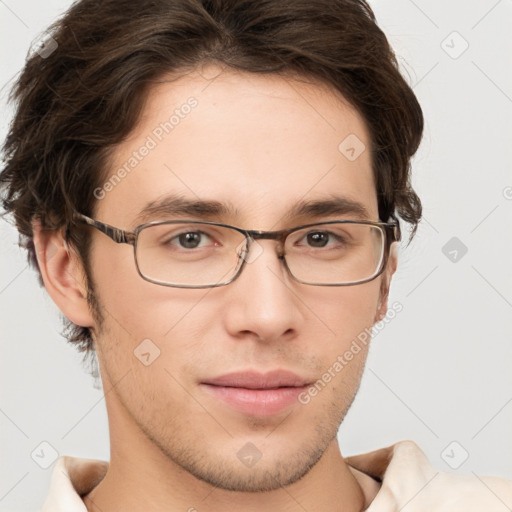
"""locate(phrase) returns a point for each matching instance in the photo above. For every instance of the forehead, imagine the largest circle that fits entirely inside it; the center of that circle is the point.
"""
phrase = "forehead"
(260, 143)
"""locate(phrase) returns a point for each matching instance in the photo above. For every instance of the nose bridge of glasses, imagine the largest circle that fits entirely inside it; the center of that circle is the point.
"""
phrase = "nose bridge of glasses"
(265, 235)
(279, 236)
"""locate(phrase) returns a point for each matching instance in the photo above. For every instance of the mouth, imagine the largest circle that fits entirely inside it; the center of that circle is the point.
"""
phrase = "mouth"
(257, 394)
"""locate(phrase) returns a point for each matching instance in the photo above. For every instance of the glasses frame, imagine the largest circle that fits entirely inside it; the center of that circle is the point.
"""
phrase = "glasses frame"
(391, 232)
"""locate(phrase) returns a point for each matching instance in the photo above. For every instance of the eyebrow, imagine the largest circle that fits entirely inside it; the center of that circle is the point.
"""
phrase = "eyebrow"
(173, 205)
(170, 205)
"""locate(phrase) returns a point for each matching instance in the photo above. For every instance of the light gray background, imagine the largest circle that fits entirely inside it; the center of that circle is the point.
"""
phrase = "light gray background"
(439, 372)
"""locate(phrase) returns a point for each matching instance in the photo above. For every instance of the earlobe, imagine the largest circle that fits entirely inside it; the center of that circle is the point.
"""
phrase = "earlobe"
(63, 275)
(382, 305)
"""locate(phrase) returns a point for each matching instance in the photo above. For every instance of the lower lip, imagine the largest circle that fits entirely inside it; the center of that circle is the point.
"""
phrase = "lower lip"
(257, 402)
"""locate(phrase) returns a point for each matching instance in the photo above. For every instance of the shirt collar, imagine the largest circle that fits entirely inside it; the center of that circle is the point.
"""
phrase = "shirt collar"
(401, 475)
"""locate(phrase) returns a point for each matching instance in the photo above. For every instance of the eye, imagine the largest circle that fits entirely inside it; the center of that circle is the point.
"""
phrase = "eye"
(189, 239)
(320, 239)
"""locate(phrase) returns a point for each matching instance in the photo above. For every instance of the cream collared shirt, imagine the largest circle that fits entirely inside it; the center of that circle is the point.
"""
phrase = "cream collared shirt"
(403, 480)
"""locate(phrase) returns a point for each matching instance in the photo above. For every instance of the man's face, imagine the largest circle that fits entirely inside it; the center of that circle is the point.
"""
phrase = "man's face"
(260, 144)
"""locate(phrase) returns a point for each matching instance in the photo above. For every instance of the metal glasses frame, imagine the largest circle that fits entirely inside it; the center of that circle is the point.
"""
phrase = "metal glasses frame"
(391, 230)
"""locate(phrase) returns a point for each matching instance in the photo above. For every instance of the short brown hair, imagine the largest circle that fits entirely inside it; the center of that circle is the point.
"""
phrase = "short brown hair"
(82, 99)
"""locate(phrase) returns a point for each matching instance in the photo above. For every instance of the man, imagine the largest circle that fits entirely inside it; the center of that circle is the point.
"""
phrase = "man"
(211, 193)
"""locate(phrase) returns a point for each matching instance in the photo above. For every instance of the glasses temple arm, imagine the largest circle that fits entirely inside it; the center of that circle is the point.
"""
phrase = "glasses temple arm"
(117, 235)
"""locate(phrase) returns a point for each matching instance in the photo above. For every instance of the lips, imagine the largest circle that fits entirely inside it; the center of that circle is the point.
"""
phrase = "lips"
(257, 394)
(255, 380)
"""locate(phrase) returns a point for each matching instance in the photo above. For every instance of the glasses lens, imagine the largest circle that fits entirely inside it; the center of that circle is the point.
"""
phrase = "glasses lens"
(189, 254)
(341, 253)
(201, 255)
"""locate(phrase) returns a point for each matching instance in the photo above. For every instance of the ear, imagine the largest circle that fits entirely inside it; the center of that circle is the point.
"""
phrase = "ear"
(63, 275)
(382, 306)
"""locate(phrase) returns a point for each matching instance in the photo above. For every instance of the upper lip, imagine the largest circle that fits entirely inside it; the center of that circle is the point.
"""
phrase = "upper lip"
(256, 380)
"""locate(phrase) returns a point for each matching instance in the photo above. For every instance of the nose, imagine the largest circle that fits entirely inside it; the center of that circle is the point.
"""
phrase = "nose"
(263, 302)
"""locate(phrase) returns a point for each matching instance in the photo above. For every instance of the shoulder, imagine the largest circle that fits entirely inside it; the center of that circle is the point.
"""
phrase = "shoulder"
(408, 478)
(71, 478)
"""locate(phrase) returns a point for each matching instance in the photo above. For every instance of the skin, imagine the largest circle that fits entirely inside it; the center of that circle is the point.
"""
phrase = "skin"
(262, 143)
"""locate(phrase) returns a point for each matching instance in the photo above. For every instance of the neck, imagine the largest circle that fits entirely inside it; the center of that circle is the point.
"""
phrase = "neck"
(141, 477)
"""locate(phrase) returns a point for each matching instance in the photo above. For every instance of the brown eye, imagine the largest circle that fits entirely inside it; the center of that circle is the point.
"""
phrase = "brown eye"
(190, 240)
(318, 239)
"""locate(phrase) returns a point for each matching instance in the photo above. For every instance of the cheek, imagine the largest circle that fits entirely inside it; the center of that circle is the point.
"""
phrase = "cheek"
(327, 401)
(134, 307)
(346, 311)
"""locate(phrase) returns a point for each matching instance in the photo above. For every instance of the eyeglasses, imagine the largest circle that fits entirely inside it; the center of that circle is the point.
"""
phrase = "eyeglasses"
(200, 254)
